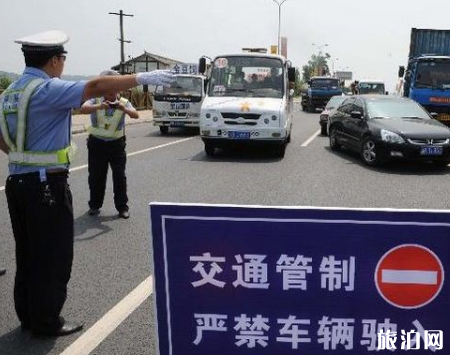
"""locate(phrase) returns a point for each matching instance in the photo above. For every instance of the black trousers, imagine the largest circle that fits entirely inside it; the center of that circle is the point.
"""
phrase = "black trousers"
(101, 155)
(44, 248)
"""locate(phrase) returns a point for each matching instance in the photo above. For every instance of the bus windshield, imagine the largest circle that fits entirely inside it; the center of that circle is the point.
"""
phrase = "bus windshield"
(247, 77)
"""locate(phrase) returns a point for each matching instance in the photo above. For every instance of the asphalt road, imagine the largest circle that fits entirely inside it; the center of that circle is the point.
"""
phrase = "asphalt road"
(112, 256)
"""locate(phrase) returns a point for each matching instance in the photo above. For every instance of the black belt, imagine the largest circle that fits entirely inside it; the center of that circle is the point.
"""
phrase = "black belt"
(35, 176)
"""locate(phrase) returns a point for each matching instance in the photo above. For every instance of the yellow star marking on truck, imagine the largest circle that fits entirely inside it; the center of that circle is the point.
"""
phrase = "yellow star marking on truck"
(245, 107)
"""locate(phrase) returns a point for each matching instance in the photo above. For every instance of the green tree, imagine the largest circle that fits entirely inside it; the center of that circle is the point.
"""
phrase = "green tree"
(317, 65)
(5, 82)
(299, 83)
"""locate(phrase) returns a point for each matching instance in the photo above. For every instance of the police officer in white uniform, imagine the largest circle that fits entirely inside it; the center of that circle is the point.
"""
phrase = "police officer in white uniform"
(35, 122)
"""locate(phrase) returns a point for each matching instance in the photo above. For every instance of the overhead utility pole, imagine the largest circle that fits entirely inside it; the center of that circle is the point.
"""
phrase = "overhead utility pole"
(122, 40)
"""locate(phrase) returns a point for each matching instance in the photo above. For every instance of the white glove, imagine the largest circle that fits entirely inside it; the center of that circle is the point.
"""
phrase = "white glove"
(156, 77)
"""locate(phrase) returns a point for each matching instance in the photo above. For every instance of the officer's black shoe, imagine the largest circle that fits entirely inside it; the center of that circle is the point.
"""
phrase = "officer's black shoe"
(66, 329)
(94, 212)
(2, 272)
(124, 214)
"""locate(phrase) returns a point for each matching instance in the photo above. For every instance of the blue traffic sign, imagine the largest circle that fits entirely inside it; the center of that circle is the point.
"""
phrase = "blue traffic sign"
(232, 280)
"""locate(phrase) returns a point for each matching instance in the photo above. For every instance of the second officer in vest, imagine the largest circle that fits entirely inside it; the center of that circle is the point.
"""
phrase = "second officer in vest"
(106, 147)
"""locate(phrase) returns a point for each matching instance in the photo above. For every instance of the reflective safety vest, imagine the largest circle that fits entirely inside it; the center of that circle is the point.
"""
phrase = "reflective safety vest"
(18, 154)
(108, 126)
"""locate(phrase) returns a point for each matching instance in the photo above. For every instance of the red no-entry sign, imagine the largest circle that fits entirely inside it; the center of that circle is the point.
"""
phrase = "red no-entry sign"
(409, 276)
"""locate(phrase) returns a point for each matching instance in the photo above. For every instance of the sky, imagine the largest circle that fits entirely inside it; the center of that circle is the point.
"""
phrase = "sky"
(370, 38)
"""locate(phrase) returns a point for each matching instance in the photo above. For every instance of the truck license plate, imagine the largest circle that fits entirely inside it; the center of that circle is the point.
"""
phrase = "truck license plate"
(180, 106)
(176, 124)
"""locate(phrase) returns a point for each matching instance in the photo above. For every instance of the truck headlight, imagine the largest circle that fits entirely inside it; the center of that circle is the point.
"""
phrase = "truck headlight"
(158, 113)
(391, 137)
(194, 115)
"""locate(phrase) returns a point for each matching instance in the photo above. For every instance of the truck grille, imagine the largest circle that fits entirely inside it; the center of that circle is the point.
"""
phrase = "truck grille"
(177, 114)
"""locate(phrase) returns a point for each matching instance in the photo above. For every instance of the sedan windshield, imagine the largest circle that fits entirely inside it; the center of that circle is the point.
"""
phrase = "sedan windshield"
(400, 109)
(371, 88)
(247, 77)
(334, 102)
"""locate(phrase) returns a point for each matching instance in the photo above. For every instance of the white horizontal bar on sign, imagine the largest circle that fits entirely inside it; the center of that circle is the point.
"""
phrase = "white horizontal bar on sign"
(417, 277)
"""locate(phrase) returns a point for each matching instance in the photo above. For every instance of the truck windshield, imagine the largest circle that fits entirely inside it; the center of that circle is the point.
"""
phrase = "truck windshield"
(433, 74)
(247, 77)
(325, 84)
(371, 88)
(183, 86)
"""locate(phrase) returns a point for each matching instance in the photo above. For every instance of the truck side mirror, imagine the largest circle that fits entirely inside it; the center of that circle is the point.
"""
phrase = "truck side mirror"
(401, 71)
(434, 115)
(309, 82)
(291, 74)
(202, 65)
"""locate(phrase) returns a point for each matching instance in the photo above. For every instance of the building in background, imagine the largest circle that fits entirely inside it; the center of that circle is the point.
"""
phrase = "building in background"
(147, 62)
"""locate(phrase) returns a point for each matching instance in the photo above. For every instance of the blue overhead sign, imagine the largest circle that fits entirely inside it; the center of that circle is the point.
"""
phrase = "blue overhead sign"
(236, 280)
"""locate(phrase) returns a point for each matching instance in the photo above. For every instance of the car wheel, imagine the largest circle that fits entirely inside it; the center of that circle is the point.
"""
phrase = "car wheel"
(323, 130)
(311, 108)
(164, 129)
(334, 143)
(303, 107)
(369, 152)
(210, 150)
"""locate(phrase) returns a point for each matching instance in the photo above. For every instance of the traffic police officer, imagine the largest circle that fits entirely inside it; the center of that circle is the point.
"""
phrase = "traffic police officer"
(35, 122)
(106, 146)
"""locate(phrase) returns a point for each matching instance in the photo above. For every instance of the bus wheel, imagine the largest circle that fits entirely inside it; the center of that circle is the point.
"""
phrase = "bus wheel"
(210, 150)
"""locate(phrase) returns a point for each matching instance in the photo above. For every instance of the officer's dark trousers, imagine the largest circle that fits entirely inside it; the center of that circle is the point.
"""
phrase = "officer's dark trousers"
(44, 248)
(101, 155)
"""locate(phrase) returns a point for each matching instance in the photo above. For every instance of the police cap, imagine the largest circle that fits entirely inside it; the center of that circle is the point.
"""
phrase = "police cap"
(49, 43)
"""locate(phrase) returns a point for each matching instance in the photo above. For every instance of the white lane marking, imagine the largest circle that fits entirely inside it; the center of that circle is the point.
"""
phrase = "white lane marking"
(95, 335)
(415, 277)
(81, 167)
(311, 139)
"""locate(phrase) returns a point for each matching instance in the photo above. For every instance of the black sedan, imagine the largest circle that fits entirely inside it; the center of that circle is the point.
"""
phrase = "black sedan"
(381, 128)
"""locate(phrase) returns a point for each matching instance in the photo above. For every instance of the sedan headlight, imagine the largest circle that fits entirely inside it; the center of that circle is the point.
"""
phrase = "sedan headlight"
(391, 137)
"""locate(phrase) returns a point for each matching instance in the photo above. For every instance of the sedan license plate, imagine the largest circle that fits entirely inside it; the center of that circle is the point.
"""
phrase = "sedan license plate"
(238, 135)
(431, 151)
(176, 124)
